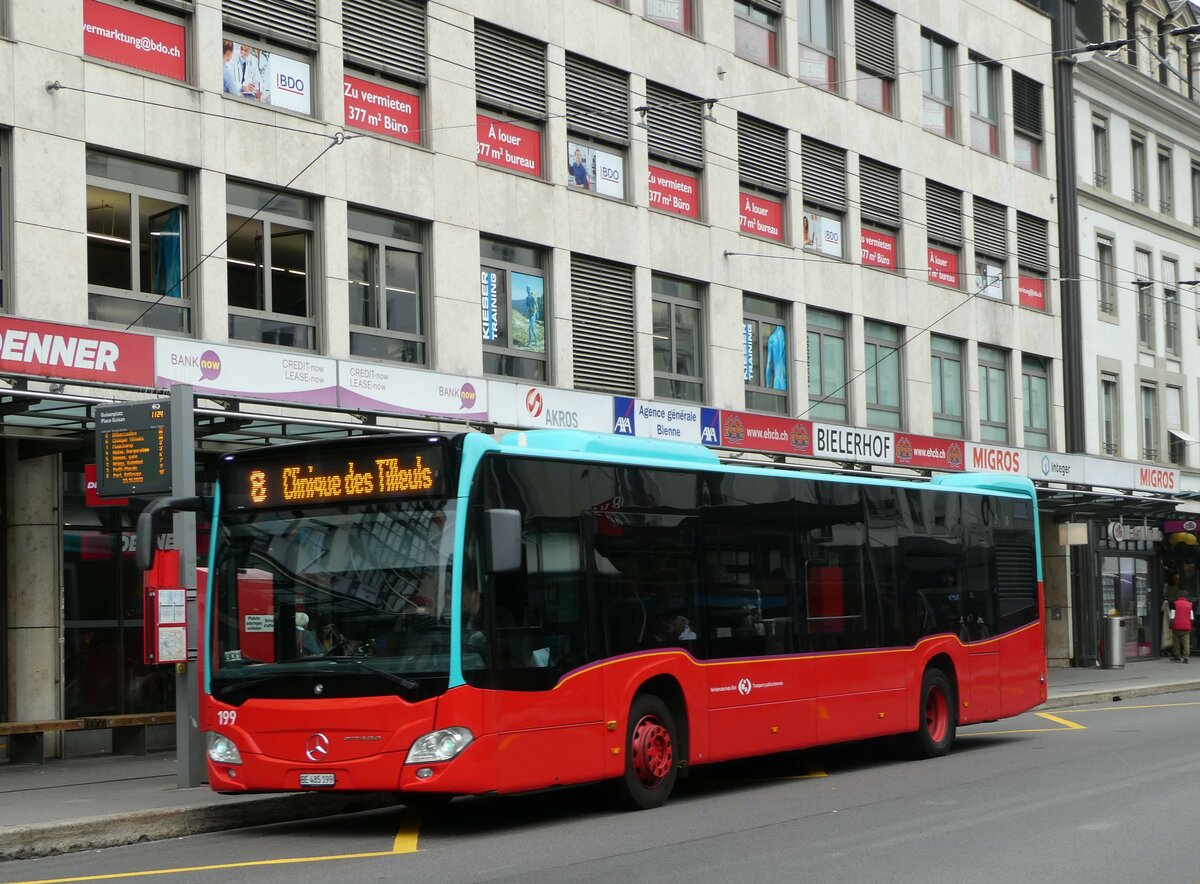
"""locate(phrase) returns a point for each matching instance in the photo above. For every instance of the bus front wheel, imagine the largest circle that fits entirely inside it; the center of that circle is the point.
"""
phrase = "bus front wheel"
(938, 716)
(651, 759)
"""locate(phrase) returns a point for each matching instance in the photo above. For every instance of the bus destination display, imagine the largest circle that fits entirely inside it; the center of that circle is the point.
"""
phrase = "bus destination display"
(132, 454)
(347, 474)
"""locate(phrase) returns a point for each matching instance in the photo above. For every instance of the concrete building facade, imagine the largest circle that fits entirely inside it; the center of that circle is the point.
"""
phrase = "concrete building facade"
(649, 200)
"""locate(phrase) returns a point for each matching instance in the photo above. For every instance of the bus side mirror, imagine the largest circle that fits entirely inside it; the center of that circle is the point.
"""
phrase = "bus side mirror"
(150, 522)
(502, 539)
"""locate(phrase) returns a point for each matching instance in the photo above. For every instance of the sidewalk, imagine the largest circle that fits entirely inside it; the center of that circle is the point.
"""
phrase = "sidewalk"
(86, 803)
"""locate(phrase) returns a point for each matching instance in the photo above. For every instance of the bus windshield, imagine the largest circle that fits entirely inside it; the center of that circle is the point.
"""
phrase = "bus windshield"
(333, 601)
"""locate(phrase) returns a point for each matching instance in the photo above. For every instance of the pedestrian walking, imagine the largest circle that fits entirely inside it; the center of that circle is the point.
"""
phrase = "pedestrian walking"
(1181, 627)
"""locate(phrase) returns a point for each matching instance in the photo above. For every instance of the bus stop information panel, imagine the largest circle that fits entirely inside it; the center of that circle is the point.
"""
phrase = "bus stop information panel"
(133, 455)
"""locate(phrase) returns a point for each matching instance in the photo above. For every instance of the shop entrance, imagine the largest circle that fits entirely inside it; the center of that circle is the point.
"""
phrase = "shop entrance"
(1127, 585)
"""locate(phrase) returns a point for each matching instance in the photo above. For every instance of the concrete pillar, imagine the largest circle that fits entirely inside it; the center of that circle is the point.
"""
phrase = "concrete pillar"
(1057, 582)
(33, 574)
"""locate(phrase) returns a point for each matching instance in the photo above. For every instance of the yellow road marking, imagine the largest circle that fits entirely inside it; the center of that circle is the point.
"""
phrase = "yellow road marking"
(410, 829)
(1069, 724)
(404, 842)
(1066, 726)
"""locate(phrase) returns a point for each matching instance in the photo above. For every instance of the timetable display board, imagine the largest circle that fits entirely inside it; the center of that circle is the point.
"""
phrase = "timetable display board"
(133, 451)
(315, 475)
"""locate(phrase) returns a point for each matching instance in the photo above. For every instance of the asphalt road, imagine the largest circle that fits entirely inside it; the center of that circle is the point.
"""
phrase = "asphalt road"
(1095, 793)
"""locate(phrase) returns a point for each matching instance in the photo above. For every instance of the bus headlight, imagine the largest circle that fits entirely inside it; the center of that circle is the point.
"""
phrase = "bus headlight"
(439, 745)
(222, 749)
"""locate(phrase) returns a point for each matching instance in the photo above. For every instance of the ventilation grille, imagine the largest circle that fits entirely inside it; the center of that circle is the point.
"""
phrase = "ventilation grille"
(603, 329)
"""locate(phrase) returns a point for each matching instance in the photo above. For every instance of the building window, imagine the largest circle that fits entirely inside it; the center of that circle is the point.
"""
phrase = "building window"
(1195, 193)
(269, 267)
(765, 354)
(937, 85)
(678, 339)
(827, 383)
(884, 374)
(993, 395)
(1170, 277)
(1110, 414)
(946, 376)
(1033, 260)
(602, 326)
(818, 43)
(510, 86)
(1149, 406)
(1177, 439)
(1145, 299)
(875, 48)
(597, 127)
(259, 71)
(1106, 275)
(1166, 181)
(674, 14)
(137, 256)
(824, 182)
(943, 222)
(513, 308)
(1100, 156)
(386, 287)
(985, 106)
(1027, 123)
(1137, 157)
(1142, 47)
(991, 248)
(763, 170)
(396, 54)
(1035, 401)
(5, 291)
(676, 149)
(756, 31)
(879, 203)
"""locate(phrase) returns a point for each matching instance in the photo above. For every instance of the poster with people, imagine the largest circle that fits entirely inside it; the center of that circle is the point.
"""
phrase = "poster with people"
(589, 168)
(821, 234)
(258, 75)
(528, 328)
(989, 280)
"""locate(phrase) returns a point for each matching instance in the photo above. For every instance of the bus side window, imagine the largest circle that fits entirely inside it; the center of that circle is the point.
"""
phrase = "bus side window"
(841, 595)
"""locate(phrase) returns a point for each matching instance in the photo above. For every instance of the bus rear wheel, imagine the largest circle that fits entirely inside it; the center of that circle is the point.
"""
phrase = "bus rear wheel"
(651, 761)
(938, 716)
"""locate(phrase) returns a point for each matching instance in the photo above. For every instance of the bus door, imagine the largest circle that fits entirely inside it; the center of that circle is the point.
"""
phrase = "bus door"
(760, 696)
(860, 687)
(545, 708)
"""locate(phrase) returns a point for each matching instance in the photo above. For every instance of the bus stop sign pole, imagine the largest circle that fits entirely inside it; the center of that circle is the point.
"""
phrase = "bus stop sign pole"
(189, 744)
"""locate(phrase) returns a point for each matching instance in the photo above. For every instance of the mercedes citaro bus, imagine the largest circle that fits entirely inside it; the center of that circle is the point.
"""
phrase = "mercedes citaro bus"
(454, 614)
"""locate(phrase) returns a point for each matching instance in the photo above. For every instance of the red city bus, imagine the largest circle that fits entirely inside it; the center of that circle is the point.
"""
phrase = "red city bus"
(447, 615)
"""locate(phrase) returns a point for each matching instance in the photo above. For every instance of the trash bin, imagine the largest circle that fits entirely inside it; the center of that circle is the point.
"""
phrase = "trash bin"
(1113, 653)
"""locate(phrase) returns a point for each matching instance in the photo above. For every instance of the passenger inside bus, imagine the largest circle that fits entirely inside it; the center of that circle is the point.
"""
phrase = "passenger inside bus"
(306, 642)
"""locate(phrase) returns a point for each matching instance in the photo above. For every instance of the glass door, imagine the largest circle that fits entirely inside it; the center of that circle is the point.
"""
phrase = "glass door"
(1126, 587)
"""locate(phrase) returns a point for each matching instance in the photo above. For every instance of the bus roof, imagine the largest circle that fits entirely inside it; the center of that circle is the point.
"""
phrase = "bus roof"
(603, 444)
(575, 443)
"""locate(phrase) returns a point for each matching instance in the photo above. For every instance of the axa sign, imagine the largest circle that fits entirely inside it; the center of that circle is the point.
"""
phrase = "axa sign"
(72, 353)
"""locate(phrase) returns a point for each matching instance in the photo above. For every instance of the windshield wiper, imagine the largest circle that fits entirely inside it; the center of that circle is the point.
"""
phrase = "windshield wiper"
(407, 683)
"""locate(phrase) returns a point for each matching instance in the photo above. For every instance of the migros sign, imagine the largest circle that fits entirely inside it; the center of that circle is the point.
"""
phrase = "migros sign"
(1158, 479)
(987, 458)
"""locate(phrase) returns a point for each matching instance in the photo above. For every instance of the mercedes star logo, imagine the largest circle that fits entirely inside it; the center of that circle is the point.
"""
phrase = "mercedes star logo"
(317, 747)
